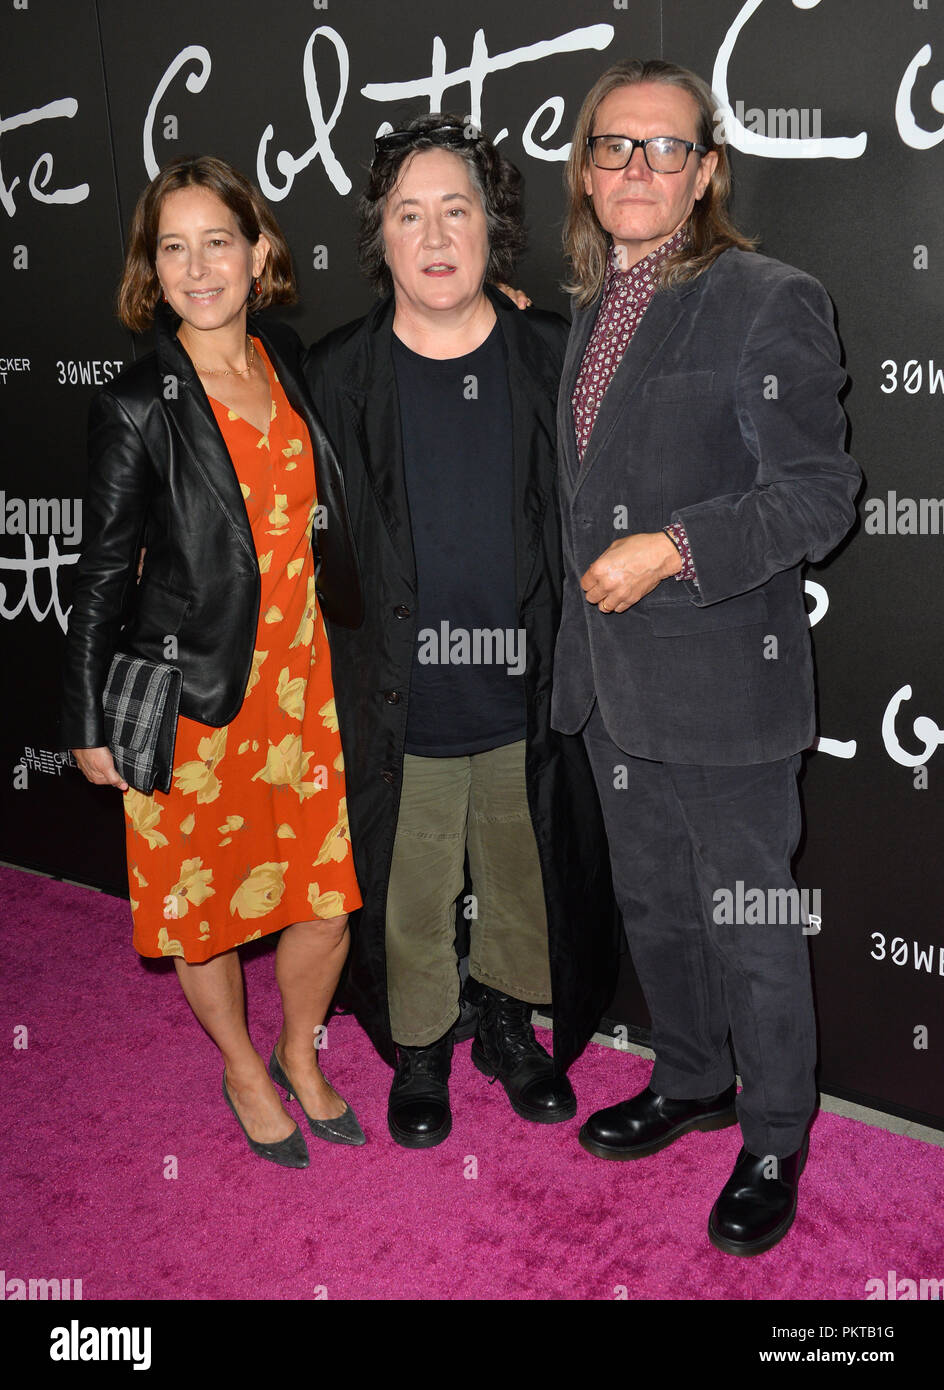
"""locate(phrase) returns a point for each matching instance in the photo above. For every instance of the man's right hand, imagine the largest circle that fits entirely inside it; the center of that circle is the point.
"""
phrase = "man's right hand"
(99, 767)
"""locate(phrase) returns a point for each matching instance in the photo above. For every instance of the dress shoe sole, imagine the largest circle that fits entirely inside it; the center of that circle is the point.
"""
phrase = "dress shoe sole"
(752, 1247)
(527, 1112)
(407, 1140)
(720, 1119)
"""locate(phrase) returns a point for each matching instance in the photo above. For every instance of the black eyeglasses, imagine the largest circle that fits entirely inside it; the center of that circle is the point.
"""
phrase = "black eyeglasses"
(665, 154)
(454, 135)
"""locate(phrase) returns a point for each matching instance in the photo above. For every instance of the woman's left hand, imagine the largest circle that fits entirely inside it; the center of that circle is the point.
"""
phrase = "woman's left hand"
(98, 766)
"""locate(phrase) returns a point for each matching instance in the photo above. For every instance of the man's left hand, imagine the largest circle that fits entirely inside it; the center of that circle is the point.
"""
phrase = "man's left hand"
(628, 569)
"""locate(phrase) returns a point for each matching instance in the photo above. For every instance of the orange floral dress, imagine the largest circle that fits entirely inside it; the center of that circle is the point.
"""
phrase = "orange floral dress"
(253, 834)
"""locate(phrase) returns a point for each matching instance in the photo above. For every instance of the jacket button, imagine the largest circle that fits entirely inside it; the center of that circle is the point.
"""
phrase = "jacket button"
(392, 697)
(401, 611)
(388, 774)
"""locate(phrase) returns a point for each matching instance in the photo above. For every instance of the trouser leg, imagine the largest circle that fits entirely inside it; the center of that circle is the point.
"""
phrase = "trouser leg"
(426, 877)
(653, 880)
(508, 947)
(744, 825)
(680, 835)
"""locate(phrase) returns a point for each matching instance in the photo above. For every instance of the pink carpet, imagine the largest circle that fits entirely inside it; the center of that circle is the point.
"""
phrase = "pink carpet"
(117, 1080)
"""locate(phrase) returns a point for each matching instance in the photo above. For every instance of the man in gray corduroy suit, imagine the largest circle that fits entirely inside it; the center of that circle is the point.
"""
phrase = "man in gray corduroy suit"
(702, 462)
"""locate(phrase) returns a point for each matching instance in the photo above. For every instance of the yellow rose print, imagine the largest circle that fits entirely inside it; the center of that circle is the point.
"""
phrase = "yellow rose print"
(306, 628)
(273, 614)
(257, 659)
(265, 562)
(285, 832)
(230, 824)
(294, 447)
(168, 946)
(260, 891)
(278, 517)
(329, 716)
(294, 567)
(285, 763)
(337, 842)
(187, 824)
(291, 694)
(200, 776)
(325, 904)
(139, 876)
(144, 813)
(193, 887)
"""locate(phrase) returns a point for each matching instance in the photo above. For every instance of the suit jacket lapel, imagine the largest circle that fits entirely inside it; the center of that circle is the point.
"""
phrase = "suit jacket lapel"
(581, 328)
(659, 321)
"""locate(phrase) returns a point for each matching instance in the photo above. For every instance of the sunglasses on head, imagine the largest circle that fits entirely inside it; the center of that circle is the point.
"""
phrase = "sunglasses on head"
(446, 135)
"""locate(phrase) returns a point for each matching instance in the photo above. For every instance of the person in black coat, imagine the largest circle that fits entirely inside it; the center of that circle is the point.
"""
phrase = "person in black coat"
(441, 405)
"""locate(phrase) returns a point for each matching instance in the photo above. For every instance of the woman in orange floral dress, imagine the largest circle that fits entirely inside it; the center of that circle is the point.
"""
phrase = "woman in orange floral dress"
(202, 452)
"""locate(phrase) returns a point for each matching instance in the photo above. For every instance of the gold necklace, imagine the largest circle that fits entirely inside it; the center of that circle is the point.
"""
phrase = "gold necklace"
(232, 371)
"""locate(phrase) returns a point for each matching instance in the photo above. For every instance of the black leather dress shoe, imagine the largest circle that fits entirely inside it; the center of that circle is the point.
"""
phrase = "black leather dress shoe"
(758, 1202)
(649, 1122)
(506, 1050)
(418, 1114)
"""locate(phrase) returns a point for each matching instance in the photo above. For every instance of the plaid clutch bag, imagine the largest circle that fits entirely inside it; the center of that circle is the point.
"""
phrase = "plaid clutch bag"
(140, 701)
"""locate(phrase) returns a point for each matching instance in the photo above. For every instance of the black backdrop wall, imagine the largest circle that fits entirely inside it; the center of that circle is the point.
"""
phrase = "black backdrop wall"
(836, 112)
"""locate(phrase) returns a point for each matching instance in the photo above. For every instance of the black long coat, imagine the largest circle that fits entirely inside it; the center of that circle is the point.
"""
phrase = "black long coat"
(351, 375)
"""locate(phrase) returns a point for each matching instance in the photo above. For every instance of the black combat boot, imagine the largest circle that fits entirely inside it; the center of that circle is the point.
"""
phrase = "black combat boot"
(418, 1114)
(506, 1050)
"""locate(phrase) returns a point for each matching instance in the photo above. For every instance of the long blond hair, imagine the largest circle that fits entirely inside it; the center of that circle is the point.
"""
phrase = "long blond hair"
(711, 231)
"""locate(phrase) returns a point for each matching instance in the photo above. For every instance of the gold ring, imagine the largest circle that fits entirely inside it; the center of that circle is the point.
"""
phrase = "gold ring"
(603, 607)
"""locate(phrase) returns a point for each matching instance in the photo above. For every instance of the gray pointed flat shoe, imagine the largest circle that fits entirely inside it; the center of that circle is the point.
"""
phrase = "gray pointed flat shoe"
(343, 1129)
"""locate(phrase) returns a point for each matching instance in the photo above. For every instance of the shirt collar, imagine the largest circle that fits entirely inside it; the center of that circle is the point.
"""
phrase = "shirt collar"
(648, 264)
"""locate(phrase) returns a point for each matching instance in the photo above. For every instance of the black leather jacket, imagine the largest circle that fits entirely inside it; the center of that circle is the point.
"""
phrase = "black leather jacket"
(160, 476)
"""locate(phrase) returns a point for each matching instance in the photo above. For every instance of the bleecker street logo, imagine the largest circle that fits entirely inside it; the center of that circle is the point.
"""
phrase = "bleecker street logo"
(12, 364)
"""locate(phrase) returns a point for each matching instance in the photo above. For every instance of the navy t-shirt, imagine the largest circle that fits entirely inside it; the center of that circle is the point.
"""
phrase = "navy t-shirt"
(467, 685)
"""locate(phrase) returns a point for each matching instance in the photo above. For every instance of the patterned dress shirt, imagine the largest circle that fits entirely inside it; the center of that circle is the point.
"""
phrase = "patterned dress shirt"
(626, 296)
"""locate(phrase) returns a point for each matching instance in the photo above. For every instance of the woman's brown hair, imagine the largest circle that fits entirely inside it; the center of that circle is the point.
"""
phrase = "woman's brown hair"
(140, 289)
(711, 229)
